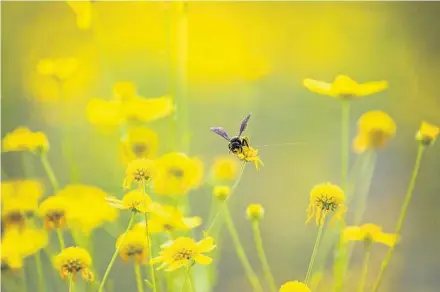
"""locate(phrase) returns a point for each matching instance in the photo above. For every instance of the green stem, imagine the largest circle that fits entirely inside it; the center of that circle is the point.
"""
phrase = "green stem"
(188, 279)
(345, 134)
(23, 279)
(262, 255)
(315, 251)
(71, 284)
(39, 268)
(402, 216)
(224, 204)
(61, 239)
(115, 254)
(49, 171)
(137, 271)
(152, 274)
(364, 269)
(253, 279)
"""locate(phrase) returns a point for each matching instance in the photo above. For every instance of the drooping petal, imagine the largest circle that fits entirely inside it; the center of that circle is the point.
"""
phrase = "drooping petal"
(192, 222)
(318, 86)
(202, 259)
(371, 87)
(206, 245)
(386, 238)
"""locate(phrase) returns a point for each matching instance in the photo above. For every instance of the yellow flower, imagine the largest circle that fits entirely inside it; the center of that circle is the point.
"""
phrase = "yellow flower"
(343, 87)
(104, 113)
(134, 201)
(168, 218)
(147, 109)
(139, 171)
(72, 260)
(53, 210)
(427, 134)
(324, 198)
(18, 244)
(124, 91)
(19, 199)
(222, 192)
(60, 69)
(87, 207)
(250, 154)
(294, 286)
(134, 245)
(23, 139)
(83, 11)
(375, 128)
(369, 233)
(225, 168)
(140, 142)
(177, 174)
(255, 212)
(182, 251)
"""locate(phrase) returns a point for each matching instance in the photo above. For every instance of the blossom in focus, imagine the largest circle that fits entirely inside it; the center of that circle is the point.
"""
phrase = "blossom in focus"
(177, 174)
(59, 69)
(427, 133)
(135, 201)
(183, 251)
(250, 154)
(343, 87)
(23, 139)
(140, 172)
(133, 244)
(325, 198)
(140, 142)
(72, 260)
(369, 233)
(225, 168)
(375, 129)
(294, 286)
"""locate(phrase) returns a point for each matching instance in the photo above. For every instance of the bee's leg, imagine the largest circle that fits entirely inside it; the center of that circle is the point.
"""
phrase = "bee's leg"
(245, 141)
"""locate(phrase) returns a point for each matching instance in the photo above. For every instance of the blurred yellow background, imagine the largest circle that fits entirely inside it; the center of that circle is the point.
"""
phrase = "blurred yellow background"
(242, 57)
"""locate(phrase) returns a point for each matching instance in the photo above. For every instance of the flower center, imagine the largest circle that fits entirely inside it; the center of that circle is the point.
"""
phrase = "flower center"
(177, 172)
(141, 174)
(139, 149)
(73, 266)
(326, 202)
(183, 254)
(133, 250)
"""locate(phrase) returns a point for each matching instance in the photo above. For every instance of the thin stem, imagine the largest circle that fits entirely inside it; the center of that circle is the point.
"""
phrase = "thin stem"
(345, 134)
(225, 203)
(23, 279)
(364, 269)
(188, 279)
(152, 274)
(137, 271)
(39, 268)
(71, 284)
(315, 251)
(402, 216)
(60, 238)
(253, 279)
(262, 255)
(49, 171)
(115, 254)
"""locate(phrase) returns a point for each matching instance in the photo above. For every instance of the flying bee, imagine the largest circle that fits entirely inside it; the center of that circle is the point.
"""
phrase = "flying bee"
(236, 143)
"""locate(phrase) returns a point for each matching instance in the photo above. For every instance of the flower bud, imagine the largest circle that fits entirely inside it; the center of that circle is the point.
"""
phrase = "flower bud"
(222, 192)
(255, 212)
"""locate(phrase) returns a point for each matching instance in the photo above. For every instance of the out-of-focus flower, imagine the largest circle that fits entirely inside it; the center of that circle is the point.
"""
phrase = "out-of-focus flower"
(53, 211)
(72, 260)
(140, 142)
(60, 69)
(169, 219)
(147, 109)
(294, 286)
(375, 128)
(255, 212)
(18, 244)
(182, 251)
(324, 198)
(104, 113)
(343, 87)
(222, 192)
(369, 233)
(87, 207)
(250, 154)
(133, 244)
(19, 199)
(177, 174)
(124, 90)
(83, 12)
(135, 201)
(427, 134)
(225, 168)
(139, 171)
(23, 139)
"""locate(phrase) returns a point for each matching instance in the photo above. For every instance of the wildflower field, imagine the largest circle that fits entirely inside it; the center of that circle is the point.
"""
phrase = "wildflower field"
(219, 146)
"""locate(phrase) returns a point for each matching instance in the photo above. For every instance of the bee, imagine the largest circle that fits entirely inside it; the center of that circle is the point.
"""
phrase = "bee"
(236, 143)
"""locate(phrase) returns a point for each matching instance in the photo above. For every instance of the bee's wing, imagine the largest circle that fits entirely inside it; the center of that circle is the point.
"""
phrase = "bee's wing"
(221, 132)
(244, 123)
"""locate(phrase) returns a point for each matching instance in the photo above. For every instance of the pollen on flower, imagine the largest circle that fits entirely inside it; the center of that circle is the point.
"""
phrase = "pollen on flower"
(325, 198)
(133, 245)
(250, 154)
(136, 201)
(427, 133)
(73, 260)
(139, 171)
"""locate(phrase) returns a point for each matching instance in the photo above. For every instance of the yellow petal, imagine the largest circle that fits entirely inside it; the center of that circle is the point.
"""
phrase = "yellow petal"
(192, 222)
(352, 233)
(386, 238)
(156, 260)
(205, 245)
(318, 86)
(202, 259)
(371, 87)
